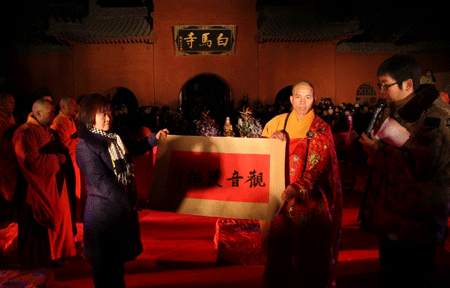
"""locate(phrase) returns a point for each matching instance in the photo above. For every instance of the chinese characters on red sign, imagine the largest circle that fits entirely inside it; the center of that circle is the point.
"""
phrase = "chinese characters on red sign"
(231, 177)
(204, 39)
(220, 176)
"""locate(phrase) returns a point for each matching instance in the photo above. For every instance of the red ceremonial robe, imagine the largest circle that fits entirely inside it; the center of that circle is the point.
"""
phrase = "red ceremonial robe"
(8, 162)
(36, 148)
(304, 238)
(67, 131)
(9, 170)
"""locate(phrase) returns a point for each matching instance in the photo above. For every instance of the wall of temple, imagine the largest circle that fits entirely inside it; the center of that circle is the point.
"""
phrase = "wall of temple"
(156, 74)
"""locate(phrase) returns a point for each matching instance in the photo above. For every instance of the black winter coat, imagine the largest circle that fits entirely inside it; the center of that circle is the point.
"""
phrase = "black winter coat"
(111, 226)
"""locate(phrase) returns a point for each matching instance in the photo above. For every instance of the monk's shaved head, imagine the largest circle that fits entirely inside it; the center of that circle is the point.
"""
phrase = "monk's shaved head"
(69, 106)
(43, 111)
(7, 103)
(303, 83)
(40, 105)
(65, 100)
(4, 96)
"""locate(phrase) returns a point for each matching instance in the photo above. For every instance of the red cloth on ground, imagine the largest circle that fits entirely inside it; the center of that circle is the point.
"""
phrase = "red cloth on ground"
(238, 241)
(24, 278)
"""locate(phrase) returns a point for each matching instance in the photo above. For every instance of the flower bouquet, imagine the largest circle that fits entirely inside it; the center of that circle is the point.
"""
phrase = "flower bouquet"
(249, 126)
(206, 126)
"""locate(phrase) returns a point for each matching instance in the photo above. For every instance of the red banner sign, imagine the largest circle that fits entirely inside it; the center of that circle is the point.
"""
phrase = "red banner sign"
(220, 176)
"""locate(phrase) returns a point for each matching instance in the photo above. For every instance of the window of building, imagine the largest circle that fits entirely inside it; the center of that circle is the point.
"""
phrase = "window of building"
(366, 94)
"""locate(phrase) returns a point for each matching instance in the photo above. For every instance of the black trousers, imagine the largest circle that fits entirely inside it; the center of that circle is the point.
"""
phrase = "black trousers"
(111, 275)
(407, 264)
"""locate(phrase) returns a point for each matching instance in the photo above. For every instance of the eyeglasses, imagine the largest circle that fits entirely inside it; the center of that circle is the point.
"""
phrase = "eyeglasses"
(385, 87)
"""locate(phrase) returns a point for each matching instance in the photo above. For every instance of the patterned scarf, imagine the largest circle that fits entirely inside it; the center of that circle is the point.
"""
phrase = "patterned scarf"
(123, 167)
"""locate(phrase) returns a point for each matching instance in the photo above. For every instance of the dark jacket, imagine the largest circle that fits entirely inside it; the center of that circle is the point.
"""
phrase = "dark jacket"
(408, 190)
(111, 226)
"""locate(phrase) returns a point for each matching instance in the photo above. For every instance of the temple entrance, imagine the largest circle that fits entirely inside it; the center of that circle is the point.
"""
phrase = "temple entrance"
(282, 100)
(122, 99)
(204, 93)
(125, 108)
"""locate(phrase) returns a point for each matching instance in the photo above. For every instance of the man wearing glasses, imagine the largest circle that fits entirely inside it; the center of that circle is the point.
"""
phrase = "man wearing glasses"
(406, 202)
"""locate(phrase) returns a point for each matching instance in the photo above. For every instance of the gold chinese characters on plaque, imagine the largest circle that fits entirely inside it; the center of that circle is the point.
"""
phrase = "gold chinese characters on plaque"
(205, 39)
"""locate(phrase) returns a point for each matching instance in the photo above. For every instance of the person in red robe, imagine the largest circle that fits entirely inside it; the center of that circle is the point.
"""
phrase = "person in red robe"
(303, 239)
(64, 125)
(8, 163)
(45, 225)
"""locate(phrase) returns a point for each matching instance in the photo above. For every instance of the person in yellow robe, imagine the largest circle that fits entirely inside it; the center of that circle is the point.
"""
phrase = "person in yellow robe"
(303, 240)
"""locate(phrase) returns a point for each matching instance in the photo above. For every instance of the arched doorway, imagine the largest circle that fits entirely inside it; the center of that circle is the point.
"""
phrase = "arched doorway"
(206, 92)
(122, 98)
(282, 100)
(366, 95)
(125, 107)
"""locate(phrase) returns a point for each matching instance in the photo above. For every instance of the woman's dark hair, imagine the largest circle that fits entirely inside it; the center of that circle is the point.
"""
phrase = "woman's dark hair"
(401, 68)
(89, 106)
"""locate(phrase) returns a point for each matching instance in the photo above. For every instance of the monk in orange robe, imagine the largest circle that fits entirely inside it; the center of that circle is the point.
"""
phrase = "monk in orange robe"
(64, 125)
(45, 225)
(8, 163)
(303, 240)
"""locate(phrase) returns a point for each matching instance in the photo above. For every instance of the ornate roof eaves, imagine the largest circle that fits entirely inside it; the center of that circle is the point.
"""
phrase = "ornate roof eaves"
(130, 40)
(308, 39)
(380, 47)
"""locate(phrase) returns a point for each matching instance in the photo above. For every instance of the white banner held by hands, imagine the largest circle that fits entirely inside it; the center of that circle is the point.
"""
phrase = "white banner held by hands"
(219, 176)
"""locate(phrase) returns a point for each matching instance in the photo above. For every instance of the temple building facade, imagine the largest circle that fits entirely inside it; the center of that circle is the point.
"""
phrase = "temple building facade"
(211, 52)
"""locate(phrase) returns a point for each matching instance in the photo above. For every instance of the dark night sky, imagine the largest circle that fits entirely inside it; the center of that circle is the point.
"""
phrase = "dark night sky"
(24, 21)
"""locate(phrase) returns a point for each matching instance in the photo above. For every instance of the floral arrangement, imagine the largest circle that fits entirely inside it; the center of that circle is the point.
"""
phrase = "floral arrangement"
(248, 125)
(206, 126)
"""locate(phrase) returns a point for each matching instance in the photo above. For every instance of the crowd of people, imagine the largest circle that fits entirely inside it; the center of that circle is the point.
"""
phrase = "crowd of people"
(341, 118)
(76, 167)
(56, 171)
(42, 184)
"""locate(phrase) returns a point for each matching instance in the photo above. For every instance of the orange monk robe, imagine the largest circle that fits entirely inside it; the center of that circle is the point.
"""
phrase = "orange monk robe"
(8, 163)
(40, 169)
(297, 128)
(67, 131)
(304, 238)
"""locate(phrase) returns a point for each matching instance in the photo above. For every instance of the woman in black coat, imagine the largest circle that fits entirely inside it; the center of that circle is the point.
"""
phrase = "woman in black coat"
(111, 226)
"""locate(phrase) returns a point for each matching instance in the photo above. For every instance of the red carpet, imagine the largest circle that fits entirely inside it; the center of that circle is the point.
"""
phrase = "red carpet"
(179, 252)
